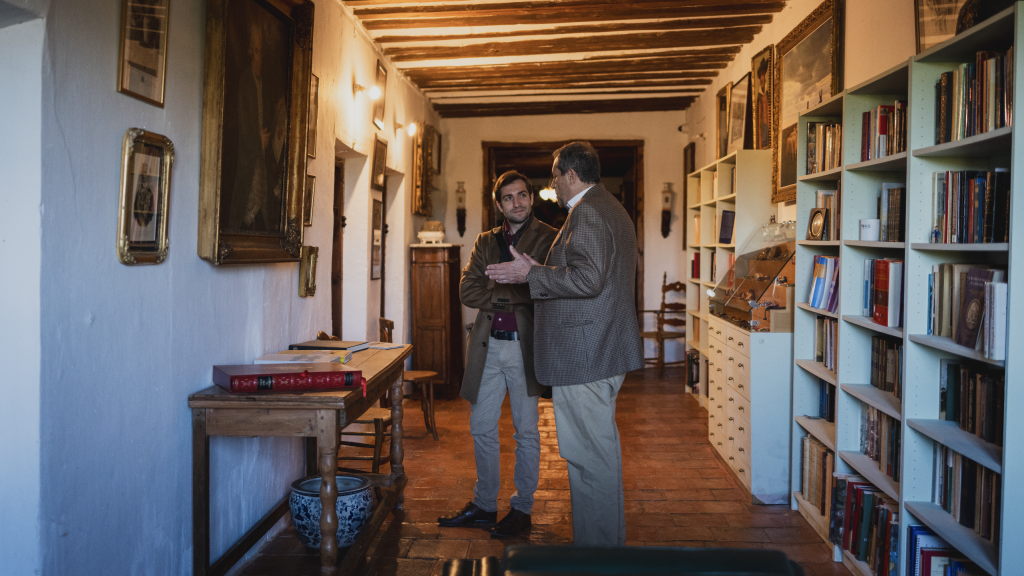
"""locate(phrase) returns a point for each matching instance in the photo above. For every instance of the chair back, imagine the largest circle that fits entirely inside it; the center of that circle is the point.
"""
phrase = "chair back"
(387, 329)
(671, 307)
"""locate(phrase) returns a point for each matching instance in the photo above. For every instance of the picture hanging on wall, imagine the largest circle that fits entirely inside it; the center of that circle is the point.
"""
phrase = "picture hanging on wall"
(808, 71)
(762, 108)
(740, 136)
(935, 21)
(377, 254)
(722, 120)
(381, 82)
(143, 54)
(689, 161)
(314, 95)
(307, 201)
(146, 160)
(307, 270)
(380, 156)
(254, 131)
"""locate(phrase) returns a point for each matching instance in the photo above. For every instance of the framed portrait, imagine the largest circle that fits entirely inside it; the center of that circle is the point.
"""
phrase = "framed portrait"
(314, 96)
(689, 161)
(935, 21)
(142, 70)
(146, 160)
(808, 70)
(380, 156)
(381, 82)
(435, 150)
(740, 136)
(422, 175)
(255, 131)
(762, 107)
(307, 270)
(307, 201)
(377, 253)
(722, 120)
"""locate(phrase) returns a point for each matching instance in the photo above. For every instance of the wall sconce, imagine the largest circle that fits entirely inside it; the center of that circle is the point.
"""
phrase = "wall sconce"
(666, 209)
(460, 208)
(547, 194)
(373, 92)
(411, 128)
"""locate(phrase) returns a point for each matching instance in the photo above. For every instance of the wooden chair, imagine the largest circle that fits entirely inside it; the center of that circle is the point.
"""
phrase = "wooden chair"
(423, 379)
(669, 325)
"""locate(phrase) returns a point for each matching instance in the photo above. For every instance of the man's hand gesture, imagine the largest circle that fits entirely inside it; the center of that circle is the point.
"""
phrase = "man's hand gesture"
(513, 272)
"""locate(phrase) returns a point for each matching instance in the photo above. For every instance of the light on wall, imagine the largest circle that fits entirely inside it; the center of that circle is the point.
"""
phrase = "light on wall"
(666, 210)
(410, 129)
(373, 92)
(460, 208)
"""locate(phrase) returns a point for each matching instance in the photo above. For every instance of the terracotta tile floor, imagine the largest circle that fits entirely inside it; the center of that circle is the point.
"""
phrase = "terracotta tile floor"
(678, 493)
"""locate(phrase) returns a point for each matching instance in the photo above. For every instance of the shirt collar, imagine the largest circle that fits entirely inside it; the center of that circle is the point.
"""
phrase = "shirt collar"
(513, 239)
(572, 201)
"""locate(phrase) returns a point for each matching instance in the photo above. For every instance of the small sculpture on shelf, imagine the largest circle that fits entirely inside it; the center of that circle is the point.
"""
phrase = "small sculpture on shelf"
(432, 233)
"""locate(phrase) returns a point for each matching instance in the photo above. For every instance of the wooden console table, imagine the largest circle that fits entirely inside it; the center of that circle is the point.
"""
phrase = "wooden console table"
(317, 416)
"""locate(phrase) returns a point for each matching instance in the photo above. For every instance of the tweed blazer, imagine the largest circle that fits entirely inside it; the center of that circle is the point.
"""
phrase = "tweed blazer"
(586, 321)
(478, 291)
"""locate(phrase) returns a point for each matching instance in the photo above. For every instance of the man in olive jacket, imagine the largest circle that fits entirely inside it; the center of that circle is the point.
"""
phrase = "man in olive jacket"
(500, 358)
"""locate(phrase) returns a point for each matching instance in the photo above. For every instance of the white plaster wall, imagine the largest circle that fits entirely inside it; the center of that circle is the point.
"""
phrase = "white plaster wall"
(124, 346)
(663, 148)
(21, 53)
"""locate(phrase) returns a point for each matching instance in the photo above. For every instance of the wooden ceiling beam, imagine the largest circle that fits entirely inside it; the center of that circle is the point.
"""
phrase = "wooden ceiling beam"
(570, 107)
(580, 92)
(685, 24)
(740, 35)
(687, 78)
(471, 73)
(512, 18)
(527, 85)
(538, 6)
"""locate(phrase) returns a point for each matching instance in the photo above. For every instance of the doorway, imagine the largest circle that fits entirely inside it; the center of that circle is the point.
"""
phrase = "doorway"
(621, 173)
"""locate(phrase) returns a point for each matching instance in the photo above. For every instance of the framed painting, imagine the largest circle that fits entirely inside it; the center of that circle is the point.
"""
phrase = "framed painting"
(435, 150)
(762, 107)
(146, 160)
(307, 270)
(739, 115)
(314, 96)
(689, 161)
(143, 52)
(808, 70)
(381, 82)
(380, 156)
(307, 201)
(722, 120)
(935, 21)
(377, 254)
(254, 131)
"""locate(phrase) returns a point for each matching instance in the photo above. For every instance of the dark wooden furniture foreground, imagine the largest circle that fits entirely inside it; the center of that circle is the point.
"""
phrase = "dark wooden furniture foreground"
(437, 314)
(317, 416)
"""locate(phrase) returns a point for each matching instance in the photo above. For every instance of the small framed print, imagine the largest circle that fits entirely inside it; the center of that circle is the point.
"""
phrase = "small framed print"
(740, 136)
(722, 120)
(314, 95)
(381, 82)
(307, 270)
(763, 69)
(380, 156)
(816, 224)
(143, 54)
(377, 255)
(145, 197)
(307, 201)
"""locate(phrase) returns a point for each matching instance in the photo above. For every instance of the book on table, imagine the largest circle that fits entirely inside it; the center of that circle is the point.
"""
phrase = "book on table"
(302, 357)
(385, 346)
(353, 345)
(247, 378)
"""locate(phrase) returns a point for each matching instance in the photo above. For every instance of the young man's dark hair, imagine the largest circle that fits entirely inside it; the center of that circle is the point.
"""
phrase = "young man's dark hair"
(508, 178)
(581, 158)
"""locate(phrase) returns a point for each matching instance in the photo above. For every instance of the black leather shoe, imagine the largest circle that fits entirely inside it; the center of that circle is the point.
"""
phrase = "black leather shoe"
(471, 515)
(513, 523)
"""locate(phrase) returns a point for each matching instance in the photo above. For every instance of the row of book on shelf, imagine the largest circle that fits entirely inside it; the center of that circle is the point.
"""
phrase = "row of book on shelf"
(824, 293)
(824, 223)
(970, 207)
(726, 228)
(975, 97)
(887, 365)
(826, 342)
(716, 190)
(968, 491)
(930, 555)
(883, 291)
(883, 131)
(880, 441)
(865, 523)
(973, 397)
(967, 303)
(826, 401)
(824, 146)
(890, 211)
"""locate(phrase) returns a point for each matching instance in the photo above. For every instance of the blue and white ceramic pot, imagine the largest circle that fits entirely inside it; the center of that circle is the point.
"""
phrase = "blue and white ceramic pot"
(355, 502)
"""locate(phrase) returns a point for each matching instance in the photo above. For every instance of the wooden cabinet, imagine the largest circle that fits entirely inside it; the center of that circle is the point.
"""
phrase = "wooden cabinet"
(437, 315)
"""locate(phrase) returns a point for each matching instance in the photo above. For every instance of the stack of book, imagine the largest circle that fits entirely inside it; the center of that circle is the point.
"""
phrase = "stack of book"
(824, 146)
(829, 200)
(973, 398)
(817, 472)
(975, 97)
(824, 284)
(865, 522)
(968, 491)
(887, 365)
(883, 291)
(892, 202)
(928, 554)
(883, 131)
(826, 401)
(967, 303)
(880, 441)
(970, 207)
(826, 335)
(695, 265)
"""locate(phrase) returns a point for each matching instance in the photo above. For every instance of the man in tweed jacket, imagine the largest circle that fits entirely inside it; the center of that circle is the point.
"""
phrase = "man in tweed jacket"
(500, 358)
(586, 336)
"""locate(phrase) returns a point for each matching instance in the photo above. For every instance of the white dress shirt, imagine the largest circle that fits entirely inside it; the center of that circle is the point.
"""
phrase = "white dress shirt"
(572, 202)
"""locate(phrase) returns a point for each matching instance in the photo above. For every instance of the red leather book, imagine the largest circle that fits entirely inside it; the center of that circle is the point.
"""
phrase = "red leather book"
(247, 378)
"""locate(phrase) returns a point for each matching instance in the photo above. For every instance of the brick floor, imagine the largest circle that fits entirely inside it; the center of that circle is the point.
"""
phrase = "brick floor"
(678, 493)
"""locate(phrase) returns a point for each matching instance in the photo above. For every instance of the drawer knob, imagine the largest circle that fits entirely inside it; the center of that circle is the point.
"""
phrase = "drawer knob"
(740, 385)
(719, 423)
(730, 358)
(731, 400)
(741, 450)
(730, 438)
(719, 388)
(741, 365)
(730, 337)
(742, 470)
(741, 407)
(711, 433)
(718, 369)
(730, 457)
(741, 428)
(719, 443)
(719, 405)
(730, 378)
(731, 419)
(718, 332)
(740, 343)
(719, 351)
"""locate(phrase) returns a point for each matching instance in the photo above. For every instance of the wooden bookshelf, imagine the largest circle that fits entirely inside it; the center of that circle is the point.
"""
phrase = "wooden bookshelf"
(815, 311)
(821, 429)
(818, 522)
(818, 370)
(868, 468)
(970, 445)
(868, 323)
(879, 399)
(977, 549)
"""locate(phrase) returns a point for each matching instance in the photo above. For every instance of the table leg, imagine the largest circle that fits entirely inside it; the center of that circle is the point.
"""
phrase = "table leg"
(397, 452)
(309, 444)
(200, 493)
(327, 446)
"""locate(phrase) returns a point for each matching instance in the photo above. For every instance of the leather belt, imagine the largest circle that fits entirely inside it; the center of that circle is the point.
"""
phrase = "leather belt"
(504, 335)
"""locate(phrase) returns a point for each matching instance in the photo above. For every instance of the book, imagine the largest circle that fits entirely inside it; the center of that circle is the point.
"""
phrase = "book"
(726, 229)
(353, 345)
(972, 311)
(284, 358)
(384, 346)
(247, 378)
(888, 292)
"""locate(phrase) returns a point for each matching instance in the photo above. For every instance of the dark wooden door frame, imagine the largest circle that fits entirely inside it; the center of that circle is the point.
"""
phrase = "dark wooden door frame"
(337, 270)
(638, 148)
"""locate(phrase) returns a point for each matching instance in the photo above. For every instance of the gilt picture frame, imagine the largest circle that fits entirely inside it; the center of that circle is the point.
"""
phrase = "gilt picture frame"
(142, 217)
(935, 21)
(722, 120)
(142, 55)
(252, 164)
(307, 270)
(689, 165)
(380, 157)
(762, 69)
(808, 70)
(314, 106)
(307, 201)
(381, 82)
